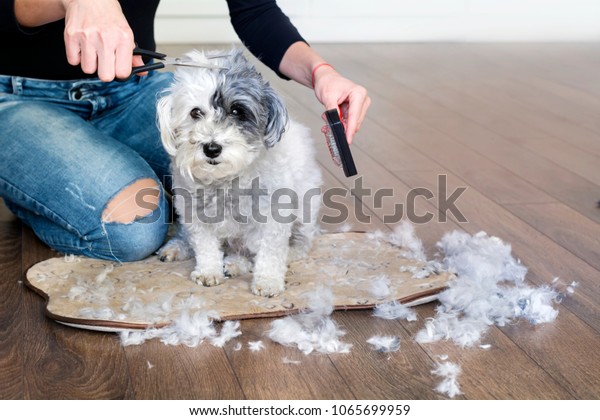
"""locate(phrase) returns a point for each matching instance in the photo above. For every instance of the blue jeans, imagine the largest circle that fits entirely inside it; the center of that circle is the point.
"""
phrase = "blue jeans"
(68, 147)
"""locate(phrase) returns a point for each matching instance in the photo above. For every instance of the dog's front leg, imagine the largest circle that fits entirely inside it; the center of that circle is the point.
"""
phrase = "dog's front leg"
(209, 257)
(270, 264)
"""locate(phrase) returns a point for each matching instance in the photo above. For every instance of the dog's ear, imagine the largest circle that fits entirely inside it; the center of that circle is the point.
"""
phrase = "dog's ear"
(163, 112)
(277, 119)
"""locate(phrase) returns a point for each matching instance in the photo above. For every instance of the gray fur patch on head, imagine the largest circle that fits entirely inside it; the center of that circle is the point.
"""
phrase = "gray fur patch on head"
(243, 89)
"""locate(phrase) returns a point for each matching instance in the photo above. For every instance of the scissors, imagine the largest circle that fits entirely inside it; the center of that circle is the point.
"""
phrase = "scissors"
(165, 61)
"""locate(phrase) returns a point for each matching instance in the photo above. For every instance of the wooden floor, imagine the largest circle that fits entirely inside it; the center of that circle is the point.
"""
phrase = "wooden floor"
(518, 124)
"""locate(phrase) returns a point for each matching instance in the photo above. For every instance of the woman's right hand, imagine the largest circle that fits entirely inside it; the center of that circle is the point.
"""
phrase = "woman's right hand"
(99, 39)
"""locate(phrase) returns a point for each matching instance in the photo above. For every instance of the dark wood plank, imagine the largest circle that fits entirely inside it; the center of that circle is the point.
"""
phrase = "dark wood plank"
(62, 362)
(5, 214)
(505, 89)
(159, 371)
(402, 375)
(562, 350)
(459, 157)
(390, 150)
(517, 104)
(11, 309)
(265, 374)
(564, 226)
(506, 98)
(563, 185)
(572, 82)
(455, 141)
(496, 109)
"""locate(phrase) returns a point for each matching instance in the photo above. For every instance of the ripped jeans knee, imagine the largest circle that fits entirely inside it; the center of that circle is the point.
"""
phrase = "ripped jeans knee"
(132, 241)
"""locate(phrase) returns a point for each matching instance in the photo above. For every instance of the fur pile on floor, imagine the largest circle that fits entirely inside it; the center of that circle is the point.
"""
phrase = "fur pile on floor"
(490, 289)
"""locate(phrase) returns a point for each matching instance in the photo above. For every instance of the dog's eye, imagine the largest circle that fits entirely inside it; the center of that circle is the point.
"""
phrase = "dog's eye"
(238, 111)
(196, 113)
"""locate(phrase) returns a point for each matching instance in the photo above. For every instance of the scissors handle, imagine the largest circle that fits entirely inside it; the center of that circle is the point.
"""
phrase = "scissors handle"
(146, 67)
(141, 69)
(148, 53)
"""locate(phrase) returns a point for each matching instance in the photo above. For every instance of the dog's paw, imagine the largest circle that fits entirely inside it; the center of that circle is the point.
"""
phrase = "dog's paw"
(175, 249)
(207, 279)
(267, 286)
(236, 265)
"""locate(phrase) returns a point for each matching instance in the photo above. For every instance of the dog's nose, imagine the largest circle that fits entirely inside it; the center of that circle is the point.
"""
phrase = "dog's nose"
(212, 150)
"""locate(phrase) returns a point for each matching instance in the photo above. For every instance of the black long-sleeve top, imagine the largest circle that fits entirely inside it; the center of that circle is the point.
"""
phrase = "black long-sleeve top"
(40, 52)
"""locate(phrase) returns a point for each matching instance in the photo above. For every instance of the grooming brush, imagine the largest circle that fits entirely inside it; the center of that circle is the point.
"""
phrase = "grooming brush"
(337, 143)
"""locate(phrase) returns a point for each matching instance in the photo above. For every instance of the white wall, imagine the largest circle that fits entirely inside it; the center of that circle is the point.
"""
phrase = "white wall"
(181, 21)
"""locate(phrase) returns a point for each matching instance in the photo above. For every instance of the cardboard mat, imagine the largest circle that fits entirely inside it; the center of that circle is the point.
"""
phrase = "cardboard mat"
(361, 269)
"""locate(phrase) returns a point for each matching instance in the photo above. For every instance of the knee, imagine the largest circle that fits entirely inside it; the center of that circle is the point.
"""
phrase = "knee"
(134, 222)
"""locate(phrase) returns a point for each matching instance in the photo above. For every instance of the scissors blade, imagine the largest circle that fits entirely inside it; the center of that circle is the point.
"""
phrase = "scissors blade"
(190, 63)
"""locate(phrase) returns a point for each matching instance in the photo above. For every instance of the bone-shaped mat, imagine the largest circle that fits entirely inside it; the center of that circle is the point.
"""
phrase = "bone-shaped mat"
(362, 270)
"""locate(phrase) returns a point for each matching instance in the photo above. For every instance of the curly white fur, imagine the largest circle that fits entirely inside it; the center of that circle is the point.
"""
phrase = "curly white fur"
(489, 290)
(449, 373)
(313, 330)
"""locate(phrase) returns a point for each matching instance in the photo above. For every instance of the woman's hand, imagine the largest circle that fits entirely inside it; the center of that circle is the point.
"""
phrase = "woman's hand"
(99, 39)
(333, 90)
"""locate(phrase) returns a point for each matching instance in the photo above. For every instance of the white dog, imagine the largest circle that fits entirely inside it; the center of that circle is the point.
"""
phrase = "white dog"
(246, 184)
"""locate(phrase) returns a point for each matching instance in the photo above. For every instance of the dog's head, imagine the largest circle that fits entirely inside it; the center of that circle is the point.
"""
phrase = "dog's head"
(217, 122)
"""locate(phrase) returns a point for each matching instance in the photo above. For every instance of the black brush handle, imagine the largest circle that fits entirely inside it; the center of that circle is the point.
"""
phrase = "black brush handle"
(339, 135)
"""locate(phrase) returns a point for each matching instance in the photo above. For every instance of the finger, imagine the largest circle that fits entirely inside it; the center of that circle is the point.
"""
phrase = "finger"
(350, 135)
(106, 65)
(344, 109)
(89, 58)
(73, 51)
(330, 103)
(358, 105)
(351, 122)
(363, 114)
(138, 61)
(124, 60)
